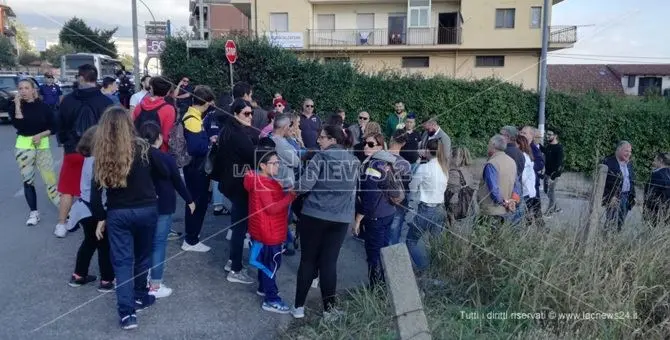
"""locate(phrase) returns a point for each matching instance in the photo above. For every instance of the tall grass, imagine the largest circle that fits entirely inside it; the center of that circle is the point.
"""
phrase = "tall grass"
(529, 271)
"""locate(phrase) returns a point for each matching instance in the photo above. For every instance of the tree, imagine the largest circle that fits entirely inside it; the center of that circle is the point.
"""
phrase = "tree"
(7, 53)
(55, 52)
(23, 38)
(86, 39)
(127, 61)
(28, 57)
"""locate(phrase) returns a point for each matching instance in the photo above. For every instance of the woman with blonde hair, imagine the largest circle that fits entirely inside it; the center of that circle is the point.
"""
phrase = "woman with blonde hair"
(123, 167)
(427, 187)
(33, 120)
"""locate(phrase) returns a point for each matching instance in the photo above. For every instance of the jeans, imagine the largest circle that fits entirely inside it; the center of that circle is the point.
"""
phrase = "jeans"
(88, 246)
(131, 234)
(321, 241)
(395, 231)
(376, 238)
(197, 184)
(618, 213)
(270, 257)
(218, 199)
(550, 189)
(428, 219)
(159, 245)
(239, 215)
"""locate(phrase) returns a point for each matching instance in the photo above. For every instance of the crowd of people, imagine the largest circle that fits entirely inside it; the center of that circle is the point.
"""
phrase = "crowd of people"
(124, 164)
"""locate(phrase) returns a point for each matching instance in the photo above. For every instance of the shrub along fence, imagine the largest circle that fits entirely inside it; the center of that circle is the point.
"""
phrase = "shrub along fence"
(470, 111)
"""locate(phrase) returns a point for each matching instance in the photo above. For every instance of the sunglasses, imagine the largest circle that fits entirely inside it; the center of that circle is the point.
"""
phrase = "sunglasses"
(363, 118)
(309, 105)
(279, 105)
(370, 144)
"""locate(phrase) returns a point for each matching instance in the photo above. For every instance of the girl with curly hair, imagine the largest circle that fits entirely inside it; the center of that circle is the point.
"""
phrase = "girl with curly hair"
(123, 167)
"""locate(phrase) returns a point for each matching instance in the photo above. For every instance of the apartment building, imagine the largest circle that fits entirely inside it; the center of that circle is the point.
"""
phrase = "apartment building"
(219, 18)
(468, 39)
(7, 15)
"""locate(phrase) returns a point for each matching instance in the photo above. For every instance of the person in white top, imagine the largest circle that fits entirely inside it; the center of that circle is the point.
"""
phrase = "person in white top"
(527, 177)
(138, 96)
(427, 187)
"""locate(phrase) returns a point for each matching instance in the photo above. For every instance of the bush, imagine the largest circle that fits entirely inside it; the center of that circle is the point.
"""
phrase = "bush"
(529, 272)
(470, 111)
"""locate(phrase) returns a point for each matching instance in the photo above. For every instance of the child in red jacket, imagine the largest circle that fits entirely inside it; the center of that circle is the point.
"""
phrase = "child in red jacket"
(268, 226)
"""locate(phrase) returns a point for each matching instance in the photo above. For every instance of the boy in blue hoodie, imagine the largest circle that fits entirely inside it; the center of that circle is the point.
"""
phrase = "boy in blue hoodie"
(197, 181)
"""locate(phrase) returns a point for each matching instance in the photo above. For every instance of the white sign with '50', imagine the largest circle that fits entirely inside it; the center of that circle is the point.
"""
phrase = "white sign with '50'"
(155, 46)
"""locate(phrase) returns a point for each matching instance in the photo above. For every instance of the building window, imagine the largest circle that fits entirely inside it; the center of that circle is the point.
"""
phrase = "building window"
(419, 13)
(340, 60)
(505, 18)
(278, 22)
(535, 17)
(325, 22)
(490, 61)
(415, 62)
(631, 81)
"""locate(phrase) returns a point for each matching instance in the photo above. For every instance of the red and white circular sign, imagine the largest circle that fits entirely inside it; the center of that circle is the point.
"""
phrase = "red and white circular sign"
(231, 51)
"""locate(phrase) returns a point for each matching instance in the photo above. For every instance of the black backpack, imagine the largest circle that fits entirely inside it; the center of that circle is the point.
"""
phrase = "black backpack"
(148, 116)
(86, 118)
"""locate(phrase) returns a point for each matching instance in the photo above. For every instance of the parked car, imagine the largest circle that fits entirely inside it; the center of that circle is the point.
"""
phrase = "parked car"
(9, 85)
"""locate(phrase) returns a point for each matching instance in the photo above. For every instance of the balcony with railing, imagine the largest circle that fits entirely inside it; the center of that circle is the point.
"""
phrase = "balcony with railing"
(562, 35)
(432, 36)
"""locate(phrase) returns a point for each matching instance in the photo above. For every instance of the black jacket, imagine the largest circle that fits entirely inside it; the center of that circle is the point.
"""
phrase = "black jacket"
(554, 159)
(657, 191)
(70, 108)
(234, 156)
(614, 181)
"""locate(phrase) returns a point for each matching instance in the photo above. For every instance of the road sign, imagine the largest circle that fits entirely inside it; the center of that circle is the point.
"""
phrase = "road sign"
(231, 51)
(197, 43)
(155, 28)
(155, 46)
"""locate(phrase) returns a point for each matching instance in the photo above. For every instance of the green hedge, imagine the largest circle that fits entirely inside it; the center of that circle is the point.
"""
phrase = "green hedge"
(470, 111)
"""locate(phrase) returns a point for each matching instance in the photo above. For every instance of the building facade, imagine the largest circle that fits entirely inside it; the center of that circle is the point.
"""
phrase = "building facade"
(7, 16)
(219, 19)
(618, 79)
(468, 39)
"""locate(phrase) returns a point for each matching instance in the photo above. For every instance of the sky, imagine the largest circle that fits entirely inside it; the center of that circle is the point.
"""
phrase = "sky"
(610, 32)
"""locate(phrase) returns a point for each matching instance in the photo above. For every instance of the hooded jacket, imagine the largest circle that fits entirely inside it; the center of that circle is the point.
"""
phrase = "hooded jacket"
(70, 109)
(235, 154)
(330, 181)
(166, 115)
(268, 209)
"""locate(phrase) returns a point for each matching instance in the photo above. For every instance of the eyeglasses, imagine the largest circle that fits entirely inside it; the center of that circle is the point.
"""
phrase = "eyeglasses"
(363, 118)
(371, 144)
(273, 163)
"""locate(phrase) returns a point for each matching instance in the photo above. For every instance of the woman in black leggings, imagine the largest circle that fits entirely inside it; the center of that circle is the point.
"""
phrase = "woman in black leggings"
(329, 181)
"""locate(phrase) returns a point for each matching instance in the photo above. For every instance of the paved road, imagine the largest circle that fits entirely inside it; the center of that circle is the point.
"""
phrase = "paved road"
(36, 266)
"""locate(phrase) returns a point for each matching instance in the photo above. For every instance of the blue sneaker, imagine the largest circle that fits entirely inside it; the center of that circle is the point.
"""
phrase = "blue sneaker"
(129, 322)
(145, 303)
(276, 307)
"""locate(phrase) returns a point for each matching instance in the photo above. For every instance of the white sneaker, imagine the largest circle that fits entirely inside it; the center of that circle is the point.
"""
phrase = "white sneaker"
(161, 292)
(198, 247)
(33, 218)
(240, 277)
(298, 312)
(228, 265)
(60, 230)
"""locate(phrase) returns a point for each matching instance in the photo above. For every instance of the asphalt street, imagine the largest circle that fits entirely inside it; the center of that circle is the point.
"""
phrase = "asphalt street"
(37, 303)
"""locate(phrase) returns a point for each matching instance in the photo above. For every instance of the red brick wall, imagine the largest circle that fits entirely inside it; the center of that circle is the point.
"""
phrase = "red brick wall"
(224, 18)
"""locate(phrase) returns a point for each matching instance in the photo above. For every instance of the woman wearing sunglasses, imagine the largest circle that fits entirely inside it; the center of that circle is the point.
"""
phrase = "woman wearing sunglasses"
(374, 209)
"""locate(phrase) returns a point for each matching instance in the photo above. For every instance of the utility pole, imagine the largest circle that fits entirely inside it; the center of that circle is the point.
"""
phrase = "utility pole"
(136, 47)
(543, 68)
(201, 12)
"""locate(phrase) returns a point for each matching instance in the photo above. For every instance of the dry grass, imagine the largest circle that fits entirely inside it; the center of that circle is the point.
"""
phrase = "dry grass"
(530, 272)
